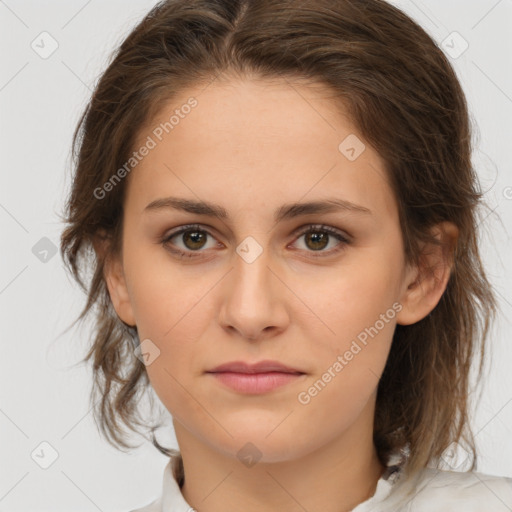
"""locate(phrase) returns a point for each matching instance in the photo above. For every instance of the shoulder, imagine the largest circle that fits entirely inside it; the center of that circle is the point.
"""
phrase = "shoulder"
(170, 498)
(462, 491)
(154, 506)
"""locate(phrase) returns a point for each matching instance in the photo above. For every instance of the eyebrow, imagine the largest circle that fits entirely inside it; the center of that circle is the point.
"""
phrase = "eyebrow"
(284, 212)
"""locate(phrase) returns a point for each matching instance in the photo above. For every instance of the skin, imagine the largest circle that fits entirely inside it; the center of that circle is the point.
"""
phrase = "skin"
(252, 146)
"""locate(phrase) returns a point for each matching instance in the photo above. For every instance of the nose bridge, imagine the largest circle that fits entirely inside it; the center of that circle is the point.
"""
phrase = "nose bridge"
(252, 301)
(251, 274)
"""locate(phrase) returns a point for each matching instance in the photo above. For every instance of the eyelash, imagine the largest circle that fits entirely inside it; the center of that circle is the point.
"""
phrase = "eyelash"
(312, 228)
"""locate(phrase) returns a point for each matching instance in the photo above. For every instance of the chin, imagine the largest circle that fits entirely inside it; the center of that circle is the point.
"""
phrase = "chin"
(252, 444)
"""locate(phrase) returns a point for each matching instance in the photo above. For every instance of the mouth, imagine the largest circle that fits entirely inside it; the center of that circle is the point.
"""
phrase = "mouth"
(260, 367)
(258, 378)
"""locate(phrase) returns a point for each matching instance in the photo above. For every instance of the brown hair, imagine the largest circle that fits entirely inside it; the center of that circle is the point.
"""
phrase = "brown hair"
(401, 93)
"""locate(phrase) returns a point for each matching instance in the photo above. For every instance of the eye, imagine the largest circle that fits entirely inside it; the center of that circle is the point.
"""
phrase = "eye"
(193, 238)
(318, 237)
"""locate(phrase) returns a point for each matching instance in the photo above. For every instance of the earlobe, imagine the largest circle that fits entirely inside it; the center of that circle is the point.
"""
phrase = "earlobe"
(116, 284)
(425, 283)
(118, 291)
(411, 299)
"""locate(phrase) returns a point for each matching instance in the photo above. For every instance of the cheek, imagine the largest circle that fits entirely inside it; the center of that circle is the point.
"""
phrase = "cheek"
(169, 308)
(348, 362)
(356, 295)
(170, 313)
(358, 309)
(164, 297)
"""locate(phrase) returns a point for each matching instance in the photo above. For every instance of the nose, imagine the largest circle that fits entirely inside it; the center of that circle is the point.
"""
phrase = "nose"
(254, 299)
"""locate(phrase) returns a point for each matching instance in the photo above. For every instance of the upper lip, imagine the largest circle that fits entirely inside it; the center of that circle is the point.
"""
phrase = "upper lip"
(260, 367)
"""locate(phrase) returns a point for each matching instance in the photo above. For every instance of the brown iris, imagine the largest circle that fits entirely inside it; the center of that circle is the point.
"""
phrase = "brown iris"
(318, 238)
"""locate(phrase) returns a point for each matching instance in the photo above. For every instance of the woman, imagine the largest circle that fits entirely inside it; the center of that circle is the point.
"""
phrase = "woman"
(282, 208)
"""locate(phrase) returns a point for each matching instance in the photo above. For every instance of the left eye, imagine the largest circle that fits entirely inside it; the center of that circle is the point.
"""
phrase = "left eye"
(318, 237)
(194, 238)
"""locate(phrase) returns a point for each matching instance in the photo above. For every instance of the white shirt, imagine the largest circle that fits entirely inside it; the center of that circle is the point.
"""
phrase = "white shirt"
(434, 491)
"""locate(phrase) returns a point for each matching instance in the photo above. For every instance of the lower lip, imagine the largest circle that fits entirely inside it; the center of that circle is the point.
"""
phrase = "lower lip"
(255, 383)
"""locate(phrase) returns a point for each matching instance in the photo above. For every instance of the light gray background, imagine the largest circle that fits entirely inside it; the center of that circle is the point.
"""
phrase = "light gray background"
(43, 396)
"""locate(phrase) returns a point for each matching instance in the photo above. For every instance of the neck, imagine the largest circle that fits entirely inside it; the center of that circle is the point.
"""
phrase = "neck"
(335, 478)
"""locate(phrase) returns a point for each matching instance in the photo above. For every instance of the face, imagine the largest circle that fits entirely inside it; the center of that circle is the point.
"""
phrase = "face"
(317, 289)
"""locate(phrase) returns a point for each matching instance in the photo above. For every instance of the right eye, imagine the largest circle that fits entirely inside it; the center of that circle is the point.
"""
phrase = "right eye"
(192, 237)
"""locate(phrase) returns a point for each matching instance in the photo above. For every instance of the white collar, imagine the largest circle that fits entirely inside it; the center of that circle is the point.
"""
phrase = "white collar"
(436, 490)
(173, 500)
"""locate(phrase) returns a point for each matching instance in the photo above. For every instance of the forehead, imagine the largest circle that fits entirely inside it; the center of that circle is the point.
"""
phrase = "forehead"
(257, 142)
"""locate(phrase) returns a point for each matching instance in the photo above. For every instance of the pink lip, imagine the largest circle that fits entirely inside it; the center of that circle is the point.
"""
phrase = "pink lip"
(261, 367)
(256, 378)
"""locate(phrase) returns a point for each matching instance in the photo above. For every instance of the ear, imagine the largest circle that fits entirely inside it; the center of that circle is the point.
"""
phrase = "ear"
(113, 274)
(425, 284)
